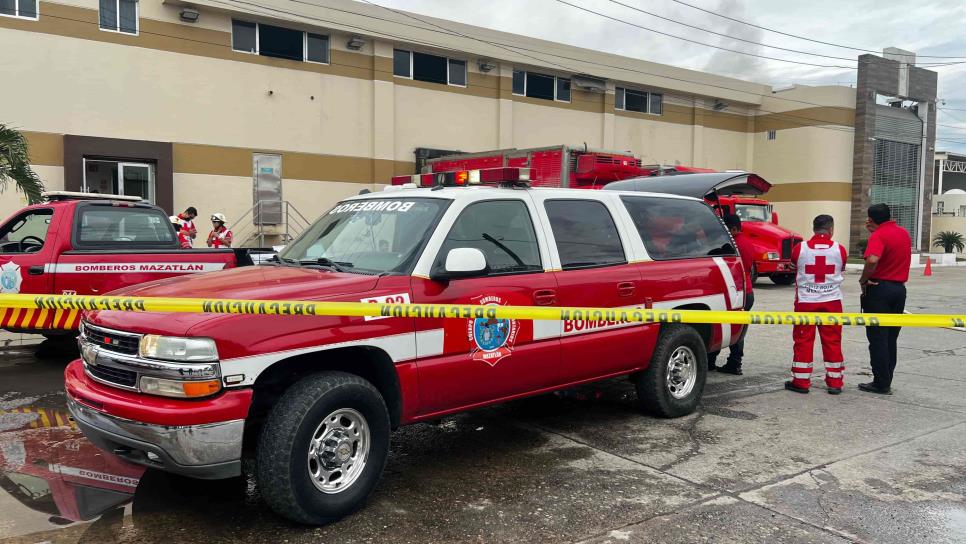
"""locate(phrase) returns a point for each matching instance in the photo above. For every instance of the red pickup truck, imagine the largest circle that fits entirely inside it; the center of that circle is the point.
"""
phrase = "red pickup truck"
(315, 398)
(89, 244)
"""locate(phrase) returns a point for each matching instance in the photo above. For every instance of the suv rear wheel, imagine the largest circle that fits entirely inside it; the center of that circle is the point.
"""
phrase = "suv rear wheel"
(673, 383)
(323, 448)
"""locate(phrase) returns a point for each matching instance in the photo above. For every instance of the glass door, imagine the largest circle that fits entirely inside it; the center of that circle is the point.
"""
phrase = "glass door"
(119, 178)
(137, 179)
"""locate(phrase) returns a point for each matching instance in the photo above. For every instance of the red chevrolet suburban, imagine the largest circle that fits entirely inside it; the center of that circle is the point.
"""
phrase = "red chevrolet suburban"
(317, 397)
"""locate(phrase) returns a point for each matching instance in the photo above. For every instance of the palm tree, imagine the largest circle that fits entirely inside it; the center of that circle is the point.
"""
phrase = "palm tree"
(15, 165)
(948, 240)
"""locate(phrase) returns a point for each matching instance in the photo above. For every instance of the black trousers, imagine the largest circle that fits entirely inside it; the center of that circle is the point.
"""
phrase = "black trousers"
(737, 351)
(888, 297)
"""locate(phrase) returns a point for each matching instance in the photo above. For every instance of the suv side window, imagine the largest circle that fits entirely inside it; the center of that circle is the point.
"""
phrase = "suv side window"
(585, 233)
(502, 230)
(26, 233)
(678, 229)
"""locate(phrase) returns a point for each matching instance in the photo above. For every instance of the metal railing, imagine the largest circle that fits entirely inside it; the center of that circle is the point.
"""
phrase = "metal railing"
(269, 219)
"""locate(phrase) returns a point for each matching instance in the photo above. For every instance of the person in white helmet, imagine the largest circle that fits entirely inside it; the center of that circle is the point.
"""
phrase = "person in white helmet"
(184, 238)
(219, 236)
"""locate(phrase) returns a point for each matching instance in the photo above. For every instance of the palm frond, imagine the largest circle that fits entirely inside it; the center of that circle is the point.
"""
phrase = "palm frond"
(15, 165)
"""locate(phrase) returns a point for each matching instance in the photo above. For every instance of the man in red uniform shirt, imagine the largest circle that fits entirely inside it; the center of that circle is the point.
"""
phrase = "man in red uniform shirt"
(818, 288)
(887, 259)
(747, 253)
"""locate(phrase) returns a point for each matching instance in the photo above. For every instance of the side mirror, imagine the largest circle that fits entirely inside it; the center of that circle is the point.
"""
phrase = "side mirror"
(462, 262)
(774, 217)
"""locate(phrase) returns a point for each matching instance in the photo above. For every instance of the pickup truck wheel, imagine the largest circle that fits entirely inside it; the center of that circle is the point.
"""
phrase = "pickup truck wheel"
(673, 383)
(783, 279)
(323, 448)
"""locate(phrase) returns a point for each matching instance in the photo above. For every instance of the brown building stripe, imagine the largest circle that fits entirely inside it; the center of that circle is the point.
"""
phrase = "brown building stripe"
(811, 191)
(806, 117)
(45, 148)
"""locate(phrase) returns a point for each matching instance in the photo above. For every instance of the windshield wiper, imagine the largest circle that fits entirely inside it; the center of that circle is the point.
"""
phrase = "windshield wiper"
(508, 251)
(338, 266)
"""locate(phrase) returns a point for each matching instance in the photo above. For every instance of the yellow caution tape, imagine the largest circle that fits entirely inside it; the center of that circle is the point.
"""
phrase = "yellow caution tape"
(467, 311)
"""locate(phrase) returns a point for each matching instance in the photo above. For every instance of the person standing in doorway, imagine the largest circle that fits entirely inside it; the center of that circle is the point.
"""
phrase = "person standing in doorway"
(818, 288)
(219, 236)
(187, 219)
(747, 253)
(888, 256)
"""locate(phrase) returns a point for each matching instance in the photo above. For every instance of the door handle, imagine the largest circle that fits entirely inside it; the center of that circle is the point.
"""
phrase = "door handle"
(625, 289)
(545, 297)
(36, 270)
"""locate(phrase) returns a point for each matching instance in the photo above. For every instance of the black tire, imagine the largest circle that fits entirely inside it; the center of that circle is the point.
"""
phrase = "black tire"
(754, 274)
(782, 279)
(282, 465)
(653, 391)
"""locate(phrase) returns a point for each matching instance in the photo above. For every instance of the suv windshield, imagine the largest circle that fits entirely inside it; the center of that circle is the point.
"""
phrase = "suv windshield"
(753, 212)
(368, 236)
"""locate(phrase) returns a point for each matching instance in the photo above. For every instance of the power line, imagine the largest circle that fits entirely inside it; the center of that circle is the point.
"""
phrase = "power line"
(800, 37)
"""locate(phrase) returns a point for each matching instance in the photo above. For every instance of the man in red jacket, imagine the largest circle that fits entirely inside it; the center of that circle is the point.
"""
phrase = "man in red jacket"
(747, 253)
(818, 288)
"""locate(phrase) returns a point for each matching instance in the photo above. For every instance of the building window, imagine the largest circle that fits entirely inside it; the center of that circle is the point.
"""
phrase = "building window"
(119, 16)
(25, 9)
(119, 178)
(639, 101)
(279, 42)
(430, 68)
(316, 48)
(772, 134)
(541, 86)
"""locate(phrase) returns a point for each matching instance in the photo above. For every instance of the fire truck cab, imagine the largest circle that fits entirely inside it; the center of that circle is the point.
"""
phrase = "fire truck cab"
(317, 397)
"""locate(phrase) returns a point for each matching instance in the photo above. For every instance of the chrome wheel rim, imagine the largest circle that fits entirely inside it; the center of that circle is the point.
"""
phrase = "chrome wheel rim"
(682, 372)
(338, 450)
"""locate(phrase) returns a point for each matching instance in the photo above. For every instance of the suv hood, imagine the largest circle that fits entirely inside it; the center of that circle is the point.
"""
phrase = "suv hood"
(766, 229)
(247, 283)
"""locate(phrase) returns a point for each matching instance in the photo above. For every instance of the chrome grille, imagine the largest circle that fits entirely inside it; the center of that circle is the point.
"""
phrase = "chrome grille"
(112, 340)
(113, 375)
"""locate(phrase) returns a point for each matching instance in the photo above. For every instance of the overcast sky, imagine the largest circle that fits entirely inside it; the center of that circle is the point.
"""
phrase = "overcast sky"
(928, 27)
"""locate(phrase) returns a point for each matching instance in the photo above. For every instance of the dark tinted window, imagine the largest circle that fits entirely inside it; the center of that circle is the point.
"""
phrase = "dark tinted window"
(457, 72)
(619, 98)
(540, 86)
(657, 103)
(430, 68)
(283, 43)
(317, 47)
(120, 226)
(678, 229)
(585, 233)
(28, 8)
(243, 36)
(502, 230)
(563, 89)
(519, 81)
(400, 63)
(635, 101)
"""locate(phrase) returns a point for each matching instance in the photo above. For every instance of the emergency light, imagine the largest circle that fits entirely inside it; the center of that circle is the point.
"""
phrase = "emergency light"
(463, 178)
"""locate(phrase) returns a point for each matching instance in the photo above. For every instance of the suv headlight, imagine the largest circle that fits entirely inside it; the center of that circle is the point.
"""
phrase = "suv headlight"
(173, 348)
(772, 256)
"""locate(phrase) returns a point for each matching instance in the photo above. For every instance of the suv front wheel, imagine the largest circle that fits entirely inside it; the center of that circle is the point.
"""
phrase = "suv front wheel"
(674, 381)
(323, 448)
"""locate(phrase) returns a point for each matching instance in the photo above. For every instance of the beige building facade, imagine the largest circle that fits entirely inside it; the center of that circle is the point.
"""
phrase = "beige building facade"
(180, 110)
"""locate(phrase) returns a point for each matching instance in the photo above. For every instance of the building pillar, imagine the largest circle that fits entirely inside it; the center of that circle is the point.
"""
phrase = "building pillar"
(942, 166)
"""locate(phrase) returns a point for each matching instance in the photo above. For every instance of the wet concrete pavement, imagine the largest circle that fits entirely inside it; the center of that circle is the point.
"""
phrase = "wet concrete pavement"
(754, 464)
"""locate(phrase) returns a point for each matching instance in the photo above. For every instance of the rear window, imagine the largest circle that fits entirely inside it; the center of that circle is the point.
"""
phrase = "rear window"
(678, 229)
(585, 233)
(117, 226)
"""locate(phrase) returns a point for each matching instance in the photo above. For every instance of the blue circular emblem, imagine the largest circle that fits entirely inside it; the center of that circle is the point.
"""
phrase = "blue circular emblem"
(491, 334)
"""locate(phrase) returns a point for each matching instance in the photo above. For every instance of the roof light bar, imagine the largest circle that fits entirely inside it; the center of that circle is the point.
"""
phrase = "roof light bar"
(464, 178)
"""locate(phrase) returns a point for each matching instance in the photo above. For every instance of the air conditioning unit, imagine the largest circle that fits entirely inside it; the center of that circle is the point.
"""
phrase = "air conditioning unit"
(589, 83)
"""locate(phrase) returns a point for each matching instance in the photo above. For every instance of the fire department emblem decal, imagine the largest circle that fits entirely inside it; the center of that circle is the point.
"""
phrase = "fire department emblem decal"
(10, 278)
(492, 339)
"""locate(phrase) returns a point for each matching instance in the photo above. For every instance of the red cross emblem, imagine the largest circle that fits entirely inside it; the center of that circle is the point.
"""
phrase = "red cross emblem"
(819, 269)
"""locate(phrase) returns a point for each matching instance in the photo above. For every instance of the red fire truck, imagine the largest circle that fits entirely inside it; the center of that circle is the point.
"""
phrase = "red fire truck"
(583, 168)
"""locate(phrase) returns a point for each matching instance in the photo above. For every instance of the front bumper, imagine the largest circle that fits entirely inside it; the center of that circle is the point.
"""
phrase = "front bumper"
(209, 451)
(767, 268)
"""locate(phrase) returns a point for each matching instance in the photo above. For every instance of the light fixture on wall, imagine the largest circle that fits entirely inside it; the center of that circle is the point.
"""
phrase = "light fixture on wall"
(355, 43)
(485, 65)
(719, 106)
(189, 15)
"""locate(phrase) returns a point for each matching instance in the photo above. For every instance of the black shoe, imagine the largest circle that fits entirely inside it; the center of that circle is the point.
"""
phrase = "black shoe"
(712, 367)
(834, 390)
(792, 387)
(731, 369)
(871, 387)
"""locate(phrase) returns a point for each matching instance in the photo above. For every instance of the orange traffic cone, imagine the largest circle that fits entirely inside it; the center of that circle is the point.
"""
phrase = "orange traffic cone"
(928, 270)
